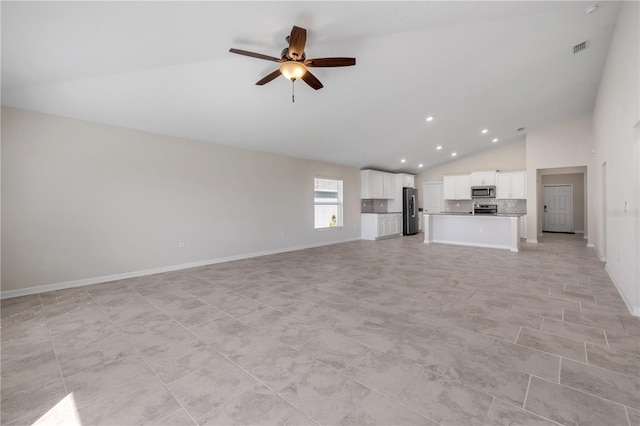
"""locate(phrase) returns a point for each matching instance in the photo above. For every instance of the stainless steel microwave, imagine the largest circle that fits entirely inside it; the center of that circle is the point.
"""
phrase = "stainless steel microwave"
(483, 192)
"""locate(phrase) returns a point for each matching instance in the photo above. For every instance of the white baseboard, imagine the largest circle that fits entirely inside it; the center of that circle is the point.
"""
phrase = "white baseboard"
(532, 241)
(7, 294)
(578, 232)
(634, 310)
(602, 258)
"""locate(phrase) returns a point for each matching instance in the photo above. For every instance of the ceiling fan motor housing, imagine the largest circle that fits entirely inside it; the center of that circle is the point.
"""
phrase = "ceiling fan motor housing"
(285, 55)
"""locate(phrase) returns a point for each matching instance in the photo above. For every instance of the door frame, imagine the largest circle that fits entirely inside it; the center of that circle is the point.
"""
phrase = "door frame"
(570, 204)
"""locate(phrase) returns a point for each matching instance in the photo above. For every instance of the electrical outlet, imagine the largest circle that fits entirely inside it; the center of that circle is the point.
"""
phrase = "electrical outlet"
(181, 244)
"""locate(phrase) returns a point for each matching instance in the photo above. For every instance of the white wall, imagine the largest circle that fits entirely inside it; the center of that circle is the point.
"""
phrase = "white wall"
(84, 202)
(565, 144)
(616, 142)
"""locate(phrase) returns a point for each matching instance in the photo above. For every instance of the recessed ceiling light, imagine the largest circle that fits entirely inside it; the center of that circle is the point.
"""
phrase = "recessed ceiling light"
(439, 147)
(494, 140)
(591, 9)
(430, 118)
(420, 165)
(403, 161)
(484, 131)
(453, 154)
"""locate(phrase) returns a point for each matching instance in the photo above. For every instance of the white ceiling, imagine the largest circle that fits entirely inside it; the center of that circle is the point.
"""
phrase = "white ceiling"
(164, 67)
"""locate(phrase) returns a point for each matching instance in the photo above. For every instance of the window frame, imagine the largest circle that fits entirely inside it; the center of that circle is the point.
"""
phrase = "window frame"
(339, 203)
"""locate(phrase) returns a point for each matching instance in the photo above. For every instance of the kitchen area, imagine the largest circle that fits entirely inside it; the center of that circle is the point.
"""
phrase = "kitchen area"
(389, 205)
(480, 209)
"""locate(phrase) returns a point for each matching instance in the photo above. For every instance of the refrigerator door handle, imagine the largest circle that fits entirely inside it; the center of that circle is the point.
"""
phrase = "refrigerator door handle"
(413, 206)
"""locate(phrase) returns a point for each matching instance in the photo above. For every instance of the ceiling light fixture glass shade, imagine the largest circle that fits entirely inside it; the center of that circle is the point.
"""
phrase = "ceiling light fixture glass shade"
(292, 70)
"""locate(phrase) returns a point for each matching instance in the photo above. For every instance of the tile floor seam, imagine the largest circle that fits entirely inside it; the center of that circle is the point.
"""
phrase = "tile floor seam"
(517, 336)
(569, 322)
(55, 353)
(397, 401)
(597, 367)
(137, 353)
(244, 371)
(526, 393)
(493, 398)
(559, 370)
(174, 412)
(586, 353)
(270, 389)
(582, 391)
(626, 411)
(605, 339)
(528, 411)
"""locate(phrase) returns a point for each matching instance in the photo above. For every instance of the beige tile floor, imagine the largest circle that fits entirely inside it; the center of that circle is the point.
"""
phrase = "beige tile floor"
(386, 332)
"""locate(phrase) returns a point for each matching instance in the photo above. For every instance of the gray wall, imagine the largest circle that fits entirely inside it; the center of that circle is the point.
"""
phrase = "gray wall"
(85, 202)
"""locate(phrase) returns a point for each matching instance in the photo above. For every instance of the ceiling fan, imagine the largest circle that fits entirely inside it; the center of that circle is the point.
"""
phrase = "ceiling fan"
(293, 61)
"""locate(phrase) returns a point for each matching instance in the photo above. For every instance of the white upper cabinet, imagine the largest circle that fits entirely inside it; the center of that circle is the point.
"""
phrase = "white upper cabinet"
(401, 180)
(376, 185)
(407, 181)
(483, 178)
(457, 187)
(388, 186)
(511, 185)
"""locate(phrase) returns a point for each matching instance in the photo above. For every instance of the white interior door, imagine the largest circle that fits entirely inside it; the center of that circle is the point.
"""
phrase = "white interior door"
(557, 208)
(432, 198)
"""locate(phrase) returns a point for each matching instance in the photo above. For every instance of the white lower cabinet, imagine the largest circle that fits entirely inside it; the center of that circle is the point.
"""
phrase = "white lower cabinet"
(380, 225)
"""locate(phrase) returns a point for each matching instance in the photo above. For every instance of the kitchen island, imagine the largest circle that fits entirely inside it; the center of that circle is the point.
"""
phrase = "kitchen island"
(501, 231)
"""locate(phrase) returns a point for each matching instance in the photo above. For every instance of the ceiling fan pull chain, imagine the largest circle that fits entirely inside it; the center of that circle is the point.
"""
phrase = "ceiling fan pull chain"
(293, 91)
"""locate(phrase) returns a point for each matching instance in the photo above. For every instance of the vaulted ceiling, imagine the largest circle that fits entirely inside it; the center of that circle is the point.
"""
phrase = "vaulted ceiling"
(165, 67)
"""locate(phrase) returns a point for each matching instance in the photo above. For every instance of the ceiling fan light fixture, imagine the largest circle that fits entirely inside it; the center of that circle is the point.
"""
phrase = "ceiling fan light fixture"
(293, 70)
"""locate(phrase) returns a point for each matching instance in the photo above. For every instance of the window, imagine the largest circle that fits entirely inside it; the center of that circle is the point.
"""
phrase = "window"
(327, 198)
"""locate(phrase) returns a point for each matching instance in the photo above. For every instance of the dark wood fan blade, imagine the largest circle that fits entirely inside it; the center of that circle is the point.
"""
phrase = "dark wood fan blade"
(255, 55)
(330, 62)
(268, 78)
(312, 81)
(297, 40)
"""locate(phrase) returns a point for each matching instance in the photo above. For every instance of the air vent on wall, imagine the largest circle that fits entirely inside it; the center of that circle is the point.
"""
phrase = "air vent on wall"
(580, 47)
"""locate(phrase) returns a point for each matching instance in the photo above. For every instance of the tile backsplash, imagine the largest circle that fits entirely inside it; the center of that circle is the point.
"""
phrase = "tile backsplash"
(504, 206)
(373, 206)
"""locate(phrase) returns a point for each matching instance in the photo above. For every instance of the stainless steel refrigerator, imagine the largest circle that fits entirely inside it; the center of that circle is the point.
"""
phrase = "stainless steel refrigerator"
(410, 218)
